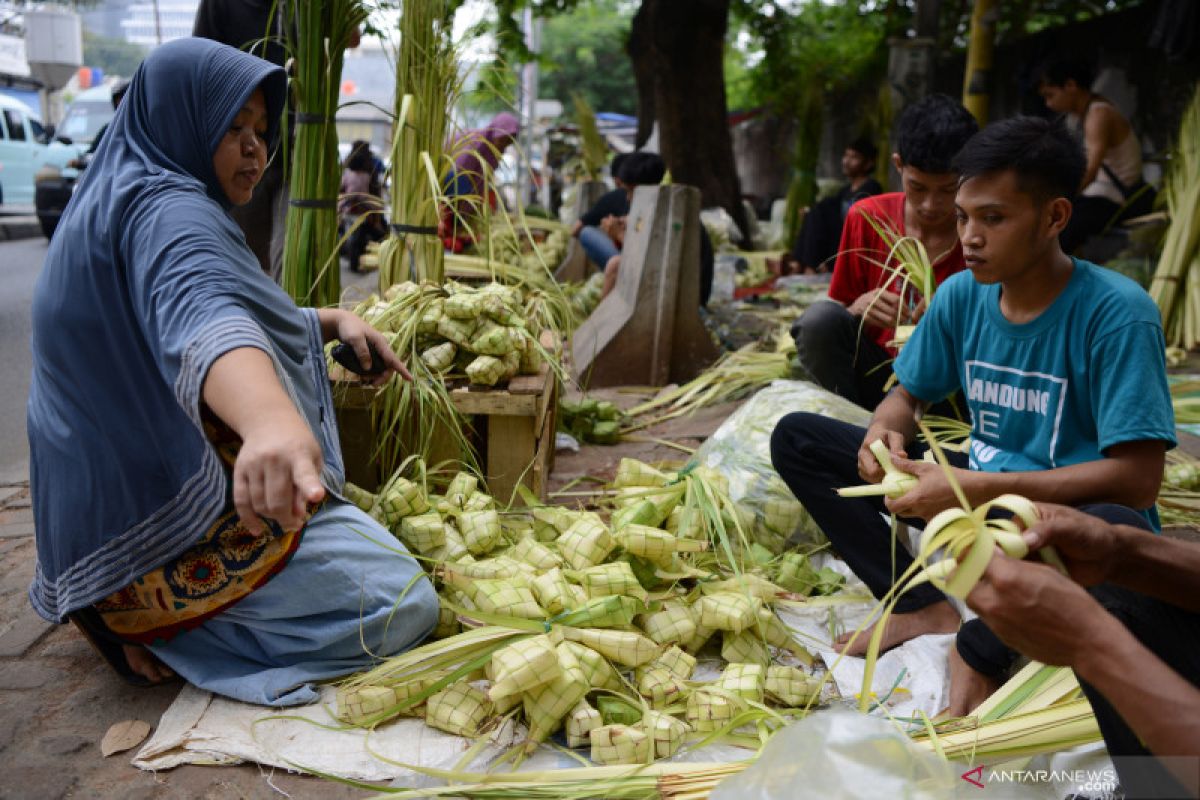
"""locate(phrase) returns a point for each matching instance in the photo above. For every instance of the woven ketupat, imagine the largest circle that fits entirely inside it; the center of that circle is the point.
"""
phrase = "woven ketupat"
(360, 705)
(728, 611)
(547, 704)
(745, 646)
(656, 545)
(703, 634)
(509, 596)
(448, 623)
(643, 512)
(481, 530)
(499, 567)
(665, 731)
(536, 554)
(580, 722)
(599, 673)
(461, 487)
(631, 472)
(608, 611)
(454, 548)
(623, 647)
(680, 663)
(423, 532)
(463, 304)
(461, 708)
(709, 710)
(619, 744)
(550, 522)
(686, 523)
(440, 357)
(479, 501)
(401, 498)
(659, 685)
(674, 623)
(615, 578)
(553, 591)
(789, 686)
(586, 543)
(523, 665)
(743, 680)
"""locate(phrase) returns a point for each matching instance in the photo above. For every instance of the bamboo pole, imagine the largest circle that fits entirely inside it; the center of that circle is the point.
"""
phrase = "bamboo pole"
(978, 77)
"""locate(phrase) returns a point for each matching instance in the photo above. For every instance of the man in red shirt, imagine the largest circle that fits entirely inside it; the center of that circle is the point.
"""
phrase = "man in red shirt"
(844, 344)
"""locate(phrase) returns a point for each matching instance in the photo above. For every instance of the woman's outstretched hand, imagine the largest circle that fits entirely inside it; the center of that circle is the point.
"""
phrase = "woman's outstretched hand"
(345, 326)
(277, 473)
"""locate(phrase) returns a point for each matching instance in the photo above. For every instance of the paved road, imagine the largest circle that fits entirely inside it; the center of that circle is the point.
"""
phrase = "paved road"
(20, 263)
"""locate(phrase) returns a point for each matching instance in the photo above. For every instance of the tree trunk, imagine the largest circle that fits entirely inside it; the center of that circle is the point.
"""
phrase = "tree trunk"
(679, 46)
(639, 50)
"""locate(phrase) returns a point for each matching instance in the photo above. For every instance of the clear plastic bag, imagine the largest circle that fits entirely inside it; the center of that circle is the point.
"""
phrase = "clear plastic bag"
(741, 451)
(841, 754)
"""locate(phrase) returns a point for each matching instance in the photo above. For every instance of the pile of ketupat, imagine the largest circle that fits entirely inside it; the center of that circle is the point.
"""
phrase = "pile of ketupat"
(594, 627)
(458, 329)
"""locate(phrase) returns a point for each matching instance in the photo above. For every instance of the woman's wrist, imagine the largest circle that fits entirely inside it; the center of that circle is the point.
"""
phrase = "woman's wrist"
(330, 318)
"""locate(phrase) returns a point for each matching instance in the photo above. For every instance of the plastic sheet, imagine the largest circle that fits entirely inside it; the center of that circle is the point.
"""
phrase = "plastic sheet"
(741, 451)
(841, 754)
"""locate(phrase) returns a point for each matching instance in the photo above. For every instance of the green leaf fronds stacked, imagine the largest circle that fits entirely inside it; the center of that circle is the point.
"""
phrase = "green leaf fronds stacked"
(1175, 286)
(427, 85)
(734, 376)
(322, 30)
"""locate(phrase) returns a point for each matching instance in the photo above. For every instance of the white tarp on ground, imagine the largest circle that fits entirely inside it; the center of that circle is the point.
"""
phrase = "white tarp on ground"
(200, 728)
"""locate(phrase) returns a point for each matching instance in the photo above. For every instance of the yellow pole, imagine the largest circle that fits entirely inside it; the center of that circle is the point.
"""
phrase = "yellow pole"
(977, 80)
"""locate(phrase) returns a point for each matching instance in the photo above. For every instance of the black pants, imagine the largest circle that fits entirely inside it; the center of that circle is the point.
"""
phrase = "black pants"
(816, 455)
(840, 355)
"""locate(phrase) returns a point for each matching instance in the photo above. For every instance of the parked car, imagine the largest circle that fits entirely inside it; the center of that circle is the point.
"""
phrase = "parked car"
(23, 145)
(66, 155)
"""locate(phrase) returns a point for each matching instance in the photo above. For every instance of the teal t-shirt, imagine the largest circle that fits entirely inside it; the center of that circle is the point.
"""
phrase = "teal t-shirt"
(1087, 373)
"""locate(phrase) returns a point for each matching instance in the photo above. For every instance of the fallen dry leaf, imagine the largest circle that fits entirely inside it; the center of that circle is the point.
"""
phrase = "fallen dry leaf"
(123, 736)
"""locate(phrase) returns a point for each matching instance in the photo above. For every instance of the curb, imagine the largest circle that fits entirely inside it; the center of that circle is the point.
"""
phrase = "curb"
(15, 228)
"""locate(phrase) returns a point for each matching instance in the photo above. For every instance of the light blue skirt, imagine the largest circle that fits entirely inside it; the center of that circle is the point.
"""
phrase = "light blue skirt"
(340, 604)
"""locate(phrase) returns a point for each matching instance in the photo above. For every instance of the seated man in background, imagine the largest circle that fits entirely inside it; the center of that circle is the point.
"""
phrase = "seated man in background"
(647, 169)
(843, 345)
(598, 245)
(1134, 643)
(817, 243)
(1061, 362)
(1114, 156)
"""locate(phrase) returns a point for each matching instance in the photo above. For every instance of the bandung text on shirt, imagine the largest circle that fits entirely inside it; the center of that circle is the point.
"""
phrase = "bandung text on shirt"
(995, 393)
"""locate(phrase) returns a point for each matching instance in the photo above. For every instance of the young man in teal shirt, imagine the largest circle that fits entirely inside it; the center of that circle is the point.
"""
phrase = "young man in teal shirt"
(1062, 366)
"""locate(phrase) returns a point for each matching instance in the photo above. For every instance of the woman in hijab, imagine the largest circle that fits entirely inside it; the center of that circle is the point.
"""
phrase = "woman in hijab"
(185, 467)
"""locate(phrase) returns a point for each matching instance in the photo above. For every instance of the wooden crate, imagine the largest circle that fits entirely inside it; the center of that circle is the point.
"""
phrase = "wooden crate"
(512, 430)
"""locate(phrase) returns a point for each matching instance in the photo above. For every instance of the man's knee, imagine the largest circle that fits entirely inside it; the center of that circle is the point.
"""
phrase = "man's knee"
(820, 322)
(794, 434)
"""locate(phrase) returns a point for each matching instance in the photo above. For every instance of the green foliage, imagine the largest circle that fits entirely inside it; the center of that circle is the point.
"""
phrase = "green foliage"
(114, 56)
(583, 51)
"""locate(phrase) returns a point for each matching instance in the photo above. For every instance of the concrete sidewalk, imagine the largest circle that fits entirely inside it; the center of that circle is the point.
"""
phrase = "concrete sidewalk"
(19, 227)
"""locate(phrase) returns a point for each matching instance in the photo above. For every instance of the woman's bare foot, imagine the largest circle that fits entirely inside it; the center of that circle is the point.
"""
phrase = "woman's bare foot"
(937, 618)
(144, 663)
(968, 688)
